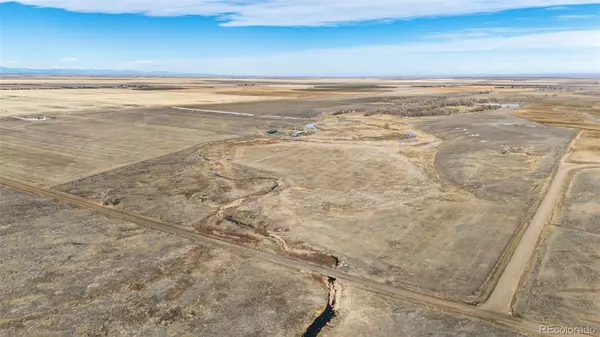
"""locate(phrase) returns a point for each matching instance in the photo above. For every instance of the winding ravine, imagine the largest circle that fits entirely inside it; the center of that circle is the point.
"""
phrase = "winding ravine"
(328, 313)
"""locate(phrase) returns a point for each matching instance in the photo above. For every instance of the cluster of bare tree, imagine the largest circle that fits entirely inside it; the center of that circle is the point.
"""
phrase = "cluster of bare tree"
(428, 106)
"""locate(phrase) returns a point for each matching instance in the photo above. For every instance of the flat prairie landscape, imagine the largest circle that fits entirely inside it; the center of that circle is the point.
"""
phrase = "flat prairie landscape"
(343, 190)
(297, 207)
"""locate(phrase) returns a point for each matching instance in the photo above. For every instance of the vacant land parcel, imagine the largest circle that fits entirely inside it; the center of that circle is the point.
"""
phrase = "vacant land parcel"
(400, 212)
(291, 206)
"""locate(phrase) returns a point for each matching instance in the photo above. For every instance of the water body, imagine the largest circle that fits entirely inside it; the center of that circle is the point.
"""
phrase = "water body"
(324, 318)
(505, 105)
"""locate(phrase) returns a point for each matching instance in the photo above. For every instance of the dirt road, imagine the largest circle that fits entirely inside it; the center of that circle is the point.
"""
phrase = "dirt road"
(239, 113)
(501, 298)
(448, 306)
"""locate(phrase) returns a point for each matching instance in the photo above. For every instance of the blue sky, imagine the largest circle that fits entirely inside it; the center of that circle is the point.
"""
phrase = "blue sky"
(305, 37)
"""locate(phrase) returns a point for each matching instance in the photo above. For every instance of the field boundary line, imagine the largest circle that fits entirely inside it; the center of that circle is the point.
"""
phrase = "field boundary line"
(241, 113)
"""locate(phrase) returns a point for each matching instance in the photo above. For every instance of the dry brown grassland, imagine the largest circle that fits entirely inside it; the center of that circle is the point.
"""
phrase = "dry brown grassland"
(411, 183)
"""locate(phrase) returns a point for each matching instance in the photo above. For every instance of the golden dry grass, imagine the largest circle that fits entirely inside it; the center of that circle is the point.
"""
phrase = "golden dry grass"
(48, 102)
(459, 89)
(562, 112)
(185, 91)
(272, 90)
(82, 144)
(587, 148)
(580, 112)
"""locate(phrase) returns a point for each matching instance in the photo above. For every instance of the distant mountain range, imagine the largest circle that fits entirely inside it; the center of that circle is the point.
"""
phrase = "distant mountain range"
(115, 72)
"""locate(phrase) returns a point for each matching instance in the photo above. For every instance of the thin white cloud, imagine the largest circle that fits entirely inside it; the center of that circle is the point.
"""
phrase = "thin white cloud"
(487, 32)
(576, 17)
(559, 8)
(572, 39)
(69, 60)
(560, 52)
(551, 52)
(143, 62)
(300, 12)
(155, 62)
